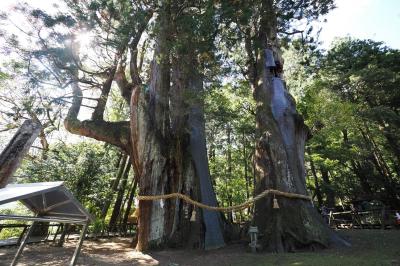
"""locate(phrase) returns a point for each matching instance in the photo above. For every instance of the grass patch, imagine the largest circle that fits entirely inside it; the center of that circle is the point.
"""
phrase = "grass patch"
(369, 247)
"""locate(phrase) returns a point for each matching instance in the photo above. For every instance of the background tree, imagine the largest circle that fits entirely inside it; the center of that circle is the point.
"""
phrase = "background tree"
(349, 141)
(230, 135)
(86, 169)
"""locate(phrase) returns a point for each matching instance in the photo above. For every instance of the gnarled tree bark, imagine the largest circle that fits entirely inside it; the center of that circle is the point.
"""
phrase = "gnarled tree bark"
(167, 152)
(164, 123)
(280, 156)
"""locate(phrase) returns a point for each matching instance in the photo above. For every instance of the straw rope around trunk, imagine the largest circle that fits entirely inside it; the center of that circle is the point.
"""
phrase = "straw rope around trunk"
(241, 206)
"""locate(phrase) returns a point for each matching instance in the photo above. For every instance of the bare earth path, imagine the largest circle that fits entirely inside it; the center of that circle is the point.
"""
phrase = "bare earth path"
(370, 247)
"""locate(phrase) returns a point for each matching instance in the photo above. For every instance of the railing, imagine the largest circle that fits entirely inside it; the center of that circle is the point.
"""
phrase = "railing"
(123, 230)
(376, 218)
(24, 226)
(17, 241)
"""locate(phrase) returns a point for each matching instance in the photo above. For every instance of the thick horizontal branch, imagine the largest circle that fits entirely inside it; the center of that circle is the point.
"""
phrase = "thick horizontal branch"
(116, 133)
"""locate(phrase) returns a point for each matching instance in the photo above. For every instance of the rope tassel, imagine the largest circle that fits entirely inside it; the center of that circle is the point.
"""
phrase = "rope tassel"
(275, 205)
(193, 217)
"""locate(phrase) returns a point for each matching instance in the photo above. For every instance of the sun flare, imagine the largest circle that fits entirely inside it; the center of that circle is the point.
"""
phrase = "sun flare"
(84, 39)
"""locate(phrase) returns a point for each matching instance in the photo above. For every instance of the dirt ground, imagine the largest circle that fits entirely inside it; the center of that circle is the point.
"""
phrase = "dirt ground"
(370, 247)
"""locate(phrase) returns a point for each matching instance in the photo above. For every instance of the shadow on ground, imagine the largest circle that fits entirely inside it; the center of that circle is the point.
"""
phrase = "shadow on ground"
(370, 247)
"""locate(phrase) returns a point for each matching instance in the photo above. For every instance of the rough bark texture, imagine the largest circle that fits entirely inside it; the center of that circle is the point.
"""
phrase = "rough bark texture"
(164, 162)
(280, 158)
(11, 156)
(280, 165)
(168, 154)
(149, 127)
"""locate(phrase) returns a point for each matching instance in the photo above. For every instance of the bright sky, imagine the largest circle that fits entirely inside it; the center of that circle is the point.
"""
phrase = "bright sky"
(378, 20)
(365, 19)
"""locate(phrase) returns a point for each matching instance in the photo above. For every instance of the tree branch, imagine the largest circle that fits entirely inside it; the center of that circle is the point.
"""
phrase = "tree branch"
(133, 47)
(124, 85)
(115, 133)
(105, 90)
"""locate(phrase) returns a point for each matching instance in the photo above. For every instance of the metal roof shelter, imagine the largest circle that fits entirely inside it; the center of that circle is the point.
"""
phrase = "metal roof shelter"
(50, 202)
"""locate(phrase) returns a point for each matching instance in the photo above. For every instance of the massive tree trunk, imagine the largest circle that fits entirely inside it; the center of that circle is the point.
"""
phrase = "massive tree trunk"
(167, 152)
(280, 156)
(11, 156)
(150, 138)
(162, 158)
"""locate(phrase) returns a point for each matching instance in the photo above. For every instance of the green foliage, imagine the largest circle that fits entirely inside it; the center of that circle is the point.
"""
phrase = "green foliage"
(15, 208)
(371, 77)
(3, 76)
(7, 233)
(97, 226)
(230, 130)
(86, 168)
(350, 104)
(118, 109)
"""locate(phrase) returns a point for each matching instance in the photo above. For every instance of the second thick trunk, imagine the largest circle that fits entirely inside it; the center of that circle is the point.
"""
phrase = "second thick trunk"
(279, 157)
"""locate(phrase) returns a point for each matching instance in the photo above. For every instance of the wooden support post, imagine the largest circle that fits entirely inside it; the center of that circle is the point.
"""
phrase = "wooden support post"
(23, 243)
(62, 236)
(79, 245)
(55, 235)
(22, 235)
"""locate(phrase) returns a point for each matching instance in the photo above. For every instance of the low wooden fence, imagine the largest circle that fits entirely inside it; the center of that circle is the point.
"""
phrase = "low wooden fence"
(55, 230)
(371, 219)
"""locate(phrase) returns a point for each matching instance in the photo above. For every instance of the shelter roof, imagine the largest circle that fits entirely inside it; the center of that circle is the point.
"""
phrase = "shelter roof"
(46, 199)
